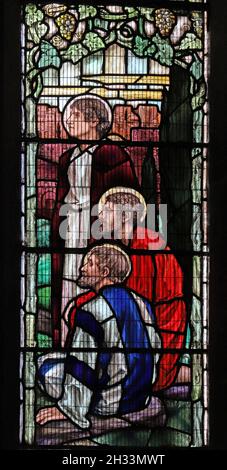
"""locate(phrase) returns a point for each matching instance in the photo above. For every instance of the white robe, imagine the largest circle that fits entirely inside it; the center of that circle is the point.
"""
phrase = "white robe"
(78, 224)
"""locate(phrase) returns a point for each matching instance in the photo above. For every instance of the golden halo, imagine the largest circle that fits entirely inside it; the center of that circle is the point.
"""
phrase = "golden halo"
(86, 96)
(122, 189)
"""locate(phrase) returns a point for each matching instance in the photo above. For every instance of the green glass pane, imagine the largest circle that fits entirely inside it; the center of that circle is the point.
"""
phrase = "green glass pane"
(43, 232)
(44, 341)
(44, 270)
(179, 415)
(169, 438)
(125, 438)
(44, 297)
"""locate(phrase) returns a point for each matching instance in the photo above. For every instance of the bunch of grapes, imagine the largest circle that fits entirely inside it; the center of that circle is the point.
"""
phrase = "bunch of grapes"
(66, 24)
(165, 20)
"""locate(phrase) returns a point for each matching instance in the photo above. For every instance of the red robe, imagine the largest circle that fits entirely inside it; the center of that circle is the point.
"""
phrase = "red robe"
(159, 278)
(111, 166)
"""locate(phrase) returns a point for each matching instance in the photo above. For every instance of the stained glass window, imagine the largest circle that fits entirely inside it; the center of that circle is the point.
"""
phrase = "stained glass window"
(115, 256)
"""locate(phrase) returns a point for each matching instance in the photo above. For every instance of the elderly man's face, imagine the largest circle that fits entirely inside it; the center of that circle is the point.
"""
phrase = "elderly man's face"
(112, 217)
(107, 217)
(90, 273)
(77, 126)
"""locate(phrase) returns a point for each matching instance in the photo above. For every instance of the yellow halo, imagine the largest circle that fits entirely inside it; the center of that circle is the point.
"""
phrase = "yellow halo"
(122, 189)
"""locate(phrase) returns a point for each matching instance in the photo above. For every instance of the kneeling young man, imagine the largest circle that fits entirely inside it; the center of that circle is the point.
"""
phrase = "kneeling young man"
(104, 373)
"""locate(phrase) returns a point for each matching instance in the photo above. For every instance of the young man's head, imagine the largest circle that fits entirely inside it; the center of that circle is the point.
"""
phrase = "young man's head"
(104, 265)
(87, 117)
(121, 209)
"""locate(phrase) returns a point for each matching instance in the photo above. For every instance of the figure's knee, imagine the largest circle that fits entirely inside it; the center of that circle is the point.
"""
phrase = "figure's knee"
(50, 375)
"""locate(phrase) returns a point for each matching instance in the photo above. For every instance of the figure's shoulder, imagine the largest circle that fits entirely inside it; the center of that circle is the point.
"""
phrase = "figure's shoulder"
(99, 308)
(144, 306)
(109, 152)
(107, 145)
(146, 238)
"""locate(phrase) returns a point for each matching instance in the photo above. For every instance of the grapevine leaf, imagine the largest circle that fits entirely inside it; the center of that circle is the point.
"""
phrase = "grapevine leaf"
(164, 54)
(151, 50)
(33, 14)
(74, 53)
(49, 56)
(199, 99)
(87, 11)
(190, 41)
(131, 12)
(196, 68)
(140, 45)
(147, 13)
(93, 42)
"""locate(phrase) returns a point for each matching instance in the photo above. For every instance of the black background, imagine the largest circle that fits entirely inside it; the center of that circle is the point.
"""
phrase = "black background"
(10, 222)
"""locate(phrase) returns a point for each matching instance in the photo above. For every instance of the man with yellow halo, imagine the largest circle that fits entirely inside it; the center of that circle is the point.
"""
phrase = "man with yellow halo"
(155, 275)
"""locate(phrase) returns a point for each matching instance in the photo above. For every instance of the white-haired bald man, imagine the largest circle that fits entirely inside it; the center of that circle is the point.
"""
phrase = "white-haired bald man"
(105, 372)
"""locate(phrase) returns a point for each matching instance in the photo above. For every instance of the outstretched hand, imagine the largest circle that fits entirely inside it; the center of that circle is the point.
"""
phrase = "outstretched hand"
(49, 414)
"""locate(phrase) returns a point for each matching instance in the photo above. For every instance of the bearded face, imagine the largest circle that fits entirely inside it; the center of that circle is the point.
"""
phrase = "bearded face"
(90, 273)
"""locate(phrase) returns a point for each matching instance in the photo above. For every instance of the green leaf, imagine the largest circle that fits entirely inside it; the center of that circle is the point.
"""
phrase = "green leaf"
(140, 45)
(196, 68)
(151, 50)
(36, 31)
(190, 41)
(86, 11)
(131, 12)
(147, 13)
(93, 42)
(49, 56)
(32, 14)
(164, 54)
(74, 53)
(199, 99)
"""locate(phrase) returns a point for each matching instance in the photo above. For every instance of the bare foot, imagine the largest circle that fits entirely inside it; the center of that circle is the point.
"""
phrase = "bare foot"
(49, 414)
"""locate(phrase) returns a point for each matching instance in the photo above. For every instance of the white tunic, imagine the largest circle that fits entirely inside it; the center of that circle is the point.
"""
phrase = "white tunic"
(78, 198)
(78, 222)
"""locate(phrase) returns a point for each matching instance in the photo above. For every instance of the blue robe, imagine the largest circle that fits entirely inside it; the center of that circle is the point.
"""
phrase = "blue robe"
(113, 365)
